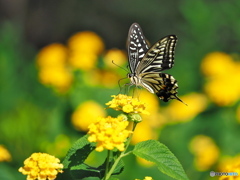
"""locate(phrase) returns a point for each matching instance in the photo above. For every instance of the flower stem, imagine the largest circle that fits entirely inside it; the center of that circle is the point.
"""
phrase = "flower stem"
(107, 164)
(122, 154)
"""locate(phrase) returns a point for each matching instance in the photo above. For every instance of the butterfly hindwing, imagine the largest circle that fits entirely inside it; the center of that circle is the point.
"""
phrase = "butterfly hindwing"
(162, 84)
(137, 46)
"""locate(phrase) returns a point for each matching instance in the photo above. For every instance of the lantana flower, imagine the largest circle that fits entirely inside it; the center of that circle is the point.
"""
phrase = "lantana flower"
(109, 133)
(127, 104)
(41, 166)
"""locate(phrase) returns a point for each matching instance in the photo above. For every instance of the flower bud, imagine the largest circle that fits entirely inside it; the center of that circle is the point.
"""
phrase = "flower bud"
(135, 118)
(123, 116)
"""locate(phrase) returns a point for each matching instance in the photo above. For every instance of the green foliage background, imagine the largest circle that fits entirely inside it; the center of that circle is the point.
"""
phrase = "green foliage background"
(32, 114)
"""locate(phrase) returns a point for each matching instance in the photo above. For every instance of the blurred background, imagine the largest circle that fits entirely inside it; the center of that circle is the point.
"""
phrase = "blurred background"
(56, 70)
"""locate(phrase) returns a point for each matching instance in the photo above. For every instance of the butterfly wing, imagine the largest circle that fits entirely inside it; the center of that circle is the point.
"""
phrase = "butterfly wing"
(137, 46)
(162, 84)
(159, 57)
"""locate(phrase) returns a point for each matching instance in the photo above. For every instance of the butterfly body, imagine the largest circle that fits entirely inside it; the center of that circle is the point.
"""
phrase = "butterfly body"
(147, 63)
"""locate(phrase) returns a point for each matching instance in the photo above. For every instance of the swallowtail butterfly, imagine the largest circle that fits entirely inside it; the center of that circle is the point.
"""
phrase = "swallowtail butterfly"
(147, 63)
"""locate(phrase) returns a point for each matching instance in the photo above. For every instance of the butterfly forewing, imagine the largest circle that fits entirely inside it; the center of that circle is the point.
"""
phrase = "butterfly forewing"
(159, 57)
(137, 46)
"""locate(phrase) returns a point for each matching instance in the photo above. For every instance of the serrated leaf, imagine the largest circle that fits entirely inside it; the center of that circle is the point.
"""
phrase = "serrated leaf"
(78, 153)
(74, 161)
(165, 160)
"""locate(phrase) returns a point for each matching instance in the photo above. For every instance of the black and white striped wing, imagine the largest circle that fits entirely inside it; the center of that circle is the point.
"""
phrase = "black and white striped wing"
(137, 46)
(159, 57)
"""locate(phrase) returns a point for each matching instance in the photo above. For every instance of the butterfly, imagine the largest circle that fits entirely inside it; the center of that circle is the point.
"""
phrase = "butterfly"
(146, 64)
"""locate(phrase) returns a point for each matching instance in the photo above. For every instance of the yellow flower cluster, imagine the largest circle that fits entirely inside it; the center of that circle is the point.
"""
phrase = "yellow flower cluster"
(109, 133)
(230, 164)
(4, 154)
(53, 70)
(127, 104)
(205, 151)
(223, 78)
(83, 116)
(41, 166)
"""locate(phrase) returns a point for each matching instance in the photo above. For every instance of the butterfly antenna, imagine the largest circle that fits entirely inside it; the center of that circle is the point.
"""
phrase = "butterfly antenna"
(119, 66)
(180, 100)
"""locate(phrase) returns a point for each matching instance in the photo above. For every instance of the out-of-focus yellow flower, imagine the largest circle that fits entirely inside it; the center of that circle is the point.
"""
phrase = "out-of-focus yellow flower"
(143, 132)
(127, 104)
(86, 114)
(146, 178)
(53, 70)
(59, 147)
(4, 154)
(150, 99)
(106, 78)
(51, 56)
(84, 50)
(230, 164)
(109, 133)
(224, 91)
(147, 128)
(84, 61)
(86, 42)
(59, 78)
(205, 151)
(181, 113)
(223, 75)
(144, 162)
(217, 64)
(117, 56)
(41, 166)
(154, 118)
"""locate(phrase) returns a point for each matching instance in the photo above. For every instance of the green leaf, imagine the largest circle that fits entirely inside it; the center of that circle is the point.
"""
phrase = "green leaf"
(165, 160)
(83, 171)
(78, 153)
(74, 161)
